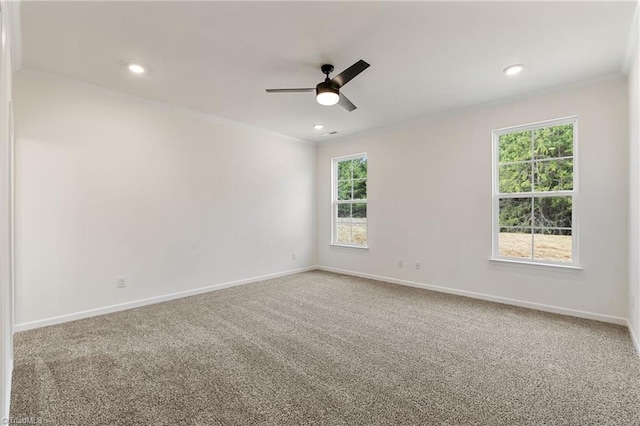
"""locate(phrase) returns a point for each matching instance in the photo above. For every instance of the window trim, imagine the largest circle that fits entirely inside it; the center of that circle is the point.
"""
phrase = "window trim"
(334, 200)
(575, 194)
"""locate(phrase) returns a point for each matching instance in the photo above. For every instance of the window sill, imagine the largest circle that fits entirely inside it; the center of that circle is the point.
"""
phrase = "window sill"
(524, 263)
(349, 246)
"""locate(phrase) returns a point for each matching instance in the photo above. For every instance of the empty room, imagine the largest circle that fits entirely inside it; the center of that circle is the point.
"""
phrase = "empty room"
(327, 213)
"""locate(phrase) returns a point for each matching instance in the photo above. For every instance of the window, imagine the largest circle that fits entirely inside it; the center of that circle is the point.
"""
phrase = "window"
(535, 192)
(349, 223)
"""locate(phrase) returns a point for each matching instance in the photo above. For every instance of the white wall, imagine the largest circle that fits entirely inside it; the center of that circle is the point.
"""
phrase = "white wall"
(6, 155)
(429, 201)
(108, 185)
(634, 197)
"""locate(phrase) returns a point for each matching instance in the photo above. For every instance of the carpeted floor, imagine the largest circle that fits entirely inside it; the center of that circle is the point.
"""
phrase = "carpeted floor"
(322, 348)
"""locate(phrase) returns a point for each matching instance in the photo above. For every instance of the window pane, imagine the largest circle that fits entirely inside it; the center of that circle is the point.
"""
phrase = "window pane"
(359, 210)
(516, 212)
(552, 244)
(360, 189)
(555, 141)
(553, 175)
(360, 168)
(343, 232)
(344, 190)
(515, 242)
(515, 147)
(359, 233)
(552, 212)
(344, 210)
(344, 169)
(515, 178)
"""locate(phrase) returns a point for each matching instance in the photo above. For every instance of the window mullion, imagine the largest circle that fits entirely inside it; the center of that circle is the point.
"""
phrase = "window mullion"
(533, 218)
(363, 201)
(351, 223)
(533, 153)
(566, 193)
(539, 160)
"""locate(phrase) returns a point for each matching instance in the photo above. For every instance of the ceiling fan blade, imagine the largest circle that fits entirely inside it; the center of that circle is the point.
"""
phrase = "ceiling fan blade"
(347, 75)
(346, 103)
(311, 89)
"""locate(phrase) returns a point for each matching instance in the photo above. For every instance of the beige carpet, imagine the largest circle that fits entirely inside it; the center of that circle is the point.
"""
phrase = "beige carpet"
(321, 348)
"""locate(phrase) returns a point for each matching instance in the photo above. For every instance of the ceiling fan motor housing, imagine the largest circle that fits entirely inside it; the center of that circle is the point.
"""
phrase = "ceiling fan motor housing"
(327, 86)
(327, 93)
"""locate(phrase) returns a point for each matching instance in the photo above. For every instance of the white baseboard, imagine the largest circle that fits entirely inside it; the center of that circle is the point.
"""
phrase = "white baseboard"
(137, 303)
(634, 338)
(483, 296)
(157, 299)
(6, 404)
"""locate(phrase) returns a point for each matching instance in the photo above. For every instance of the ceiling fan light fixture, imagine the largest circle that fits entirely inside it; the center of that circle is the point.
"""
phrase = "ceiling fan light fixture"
(326, 94)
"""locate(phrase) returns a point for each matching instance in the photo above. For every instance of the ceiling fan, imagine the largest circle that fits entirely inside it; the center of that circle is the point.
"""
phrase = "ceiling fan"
(328, 91)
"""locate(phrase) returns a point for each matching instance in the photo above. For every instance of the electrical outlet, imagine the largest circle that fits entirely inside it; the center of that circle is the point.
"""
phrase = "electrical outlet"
(122, 282)
(418, 265)
(400, 263)
(293, 256)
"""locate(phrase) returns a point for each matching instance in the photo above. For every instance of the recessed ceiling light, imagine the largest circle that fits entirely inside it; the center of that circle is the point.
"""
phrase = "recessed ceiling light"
(513, 69)
(318, 126)
(136, 69)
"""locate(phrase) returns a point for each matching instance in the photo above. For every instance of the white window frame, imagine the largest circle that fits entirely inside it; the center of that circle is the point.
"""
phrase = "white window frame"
(574, 194)
(334, 200)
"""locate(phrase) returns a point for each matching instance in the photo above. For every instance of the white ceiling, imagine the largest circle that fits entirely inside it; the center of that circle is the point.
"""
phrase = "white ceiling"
(426, 57)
